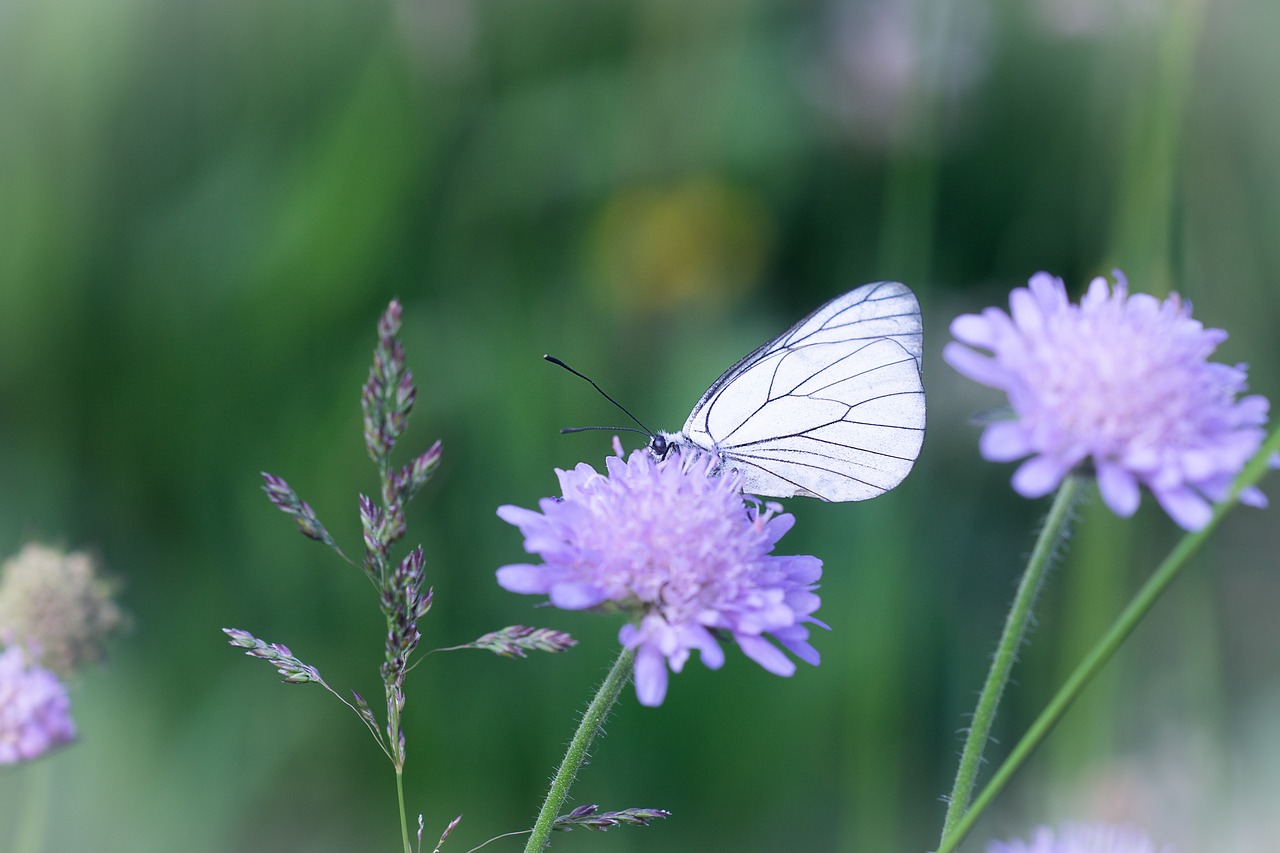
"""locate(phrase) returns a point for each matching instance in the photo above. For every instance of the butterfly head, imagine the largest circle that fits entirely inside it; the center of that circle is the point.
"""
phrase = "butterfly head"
(660, 445)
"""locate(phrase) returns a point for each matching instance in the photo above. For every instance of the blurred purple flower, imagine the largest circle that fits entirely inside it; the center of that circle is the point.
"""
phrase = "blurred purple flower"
(681, 551)
(1119, 383)
(35, 713)
(1081, 838)
(884, 69)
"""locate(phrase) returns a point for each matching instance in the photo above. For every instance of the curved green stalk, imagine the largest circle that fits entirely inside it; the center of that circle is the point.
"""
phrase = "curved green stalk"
(1015, 628)
(592, 721)
(33, 817)
(1106, 647)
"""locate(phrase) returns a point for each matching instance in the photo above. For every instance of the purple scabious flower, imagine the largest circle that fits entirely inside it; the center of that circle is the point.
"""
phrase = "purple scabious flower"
(35, 713)
(1081, 838)
(1120, 384)
(682, 551)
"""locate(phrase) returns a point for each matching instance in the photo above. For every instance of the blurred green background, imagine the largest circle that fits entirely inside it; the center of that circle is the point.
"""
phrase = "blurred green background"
(204, 206)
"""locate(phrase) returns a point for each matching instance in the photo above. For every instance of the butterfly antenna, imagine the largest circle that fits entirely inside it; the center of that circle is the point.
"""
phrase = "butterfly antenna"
(567, 430)
(643, 428)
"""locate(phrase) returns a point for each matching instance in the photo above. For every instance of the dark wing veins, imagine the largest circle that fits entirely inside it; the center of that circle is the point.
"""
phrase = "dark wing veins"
(774, 395)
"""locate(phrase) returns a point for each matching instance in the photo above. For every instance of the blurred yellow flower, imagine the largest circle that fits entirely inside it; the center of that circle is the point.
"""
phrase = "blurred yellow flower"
(656, 248)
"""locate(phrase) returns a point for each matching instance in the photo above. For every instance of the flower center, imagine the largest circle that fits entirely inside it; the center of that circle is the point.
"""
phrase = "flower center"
(1110, 383)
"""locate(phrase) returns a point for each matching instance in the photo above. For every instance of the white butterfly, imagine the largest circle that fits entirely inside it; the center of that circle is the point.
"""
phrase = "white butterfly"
(831, 409)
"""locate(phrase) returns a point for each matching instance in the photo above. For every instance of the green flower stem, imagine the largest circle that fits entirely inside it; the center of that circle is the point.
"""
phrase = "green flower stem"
(1106, 647)
(404, 823)
(592, 722)
(1015, 627)
(34, 814)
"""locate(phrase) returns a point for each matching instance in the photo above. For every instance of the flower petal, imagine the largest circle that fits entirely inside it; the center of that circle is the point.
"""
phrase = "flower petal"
(1004, 441)
(576, 596)
(979, 368)
(524, 578)
(1185, 506)
(698, 637)
(973, 329)
(650, 676)
(1119, 489)
(765, 653)
(1253, 496)
(796, 640)
(1024, 308)
(1038, 476)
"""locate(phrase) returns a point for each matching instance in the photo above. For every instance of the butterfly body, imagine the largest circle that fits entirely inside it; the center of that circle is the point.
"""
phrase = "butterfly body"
(833, 408)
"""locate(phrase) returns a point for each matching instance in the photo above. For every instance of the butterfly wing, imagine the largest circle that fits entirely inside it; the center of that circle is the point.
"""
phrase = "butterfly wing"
(832, 409)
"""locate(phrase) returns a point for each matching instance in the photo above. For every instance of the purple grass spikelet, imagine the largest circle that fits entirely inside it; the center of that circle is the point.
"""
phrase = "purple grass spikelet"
(283, 496)
(587, 816)
(515, 641)
(406, 482)
(1120, 386)
(403, 604)
(277, 654)
(364, 711)
(376, 535)
(448, 830)
(389, 394)
(386, 400)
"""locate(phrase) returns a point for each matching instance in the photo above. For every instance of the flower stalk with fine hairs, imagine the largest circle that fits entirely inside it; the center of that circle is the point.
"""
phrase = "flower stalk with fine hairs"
(688, 557)
(591, 724)
(1120, 388)
(1011, 639)
(1105, 648)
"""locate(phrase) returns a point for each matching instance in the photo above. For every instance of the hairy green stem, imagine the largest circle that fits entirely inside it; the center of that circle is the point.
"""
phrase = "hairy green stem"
(592, 721)
(1015, 628)
(1106, 647)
